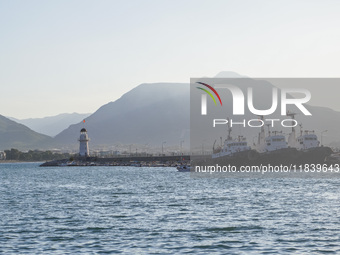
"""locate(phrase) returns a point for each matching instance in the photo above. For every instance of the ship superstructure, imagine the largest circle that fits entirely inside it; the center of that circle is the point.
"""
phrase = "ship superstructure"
(231, 146)
(305, 141)
(273, 142)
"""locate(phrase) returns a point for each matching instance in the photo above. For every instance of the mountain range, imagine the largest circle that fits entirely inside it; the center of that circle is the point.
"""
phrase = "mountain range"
(148, 114)
(15, 135)
(152, 114)
(52, 125)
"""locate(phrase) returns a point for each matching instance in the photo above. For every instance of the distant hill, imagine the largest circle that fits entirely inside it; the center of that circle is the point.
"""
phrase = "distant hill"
(151, 114)
(148, 114)
(228, 74)
(52, 125)
(15, 135)
(160, 112)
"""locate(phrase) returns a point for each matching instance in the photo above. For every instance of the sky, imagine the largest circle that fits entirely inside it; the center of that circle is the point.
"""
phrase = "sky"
(75, 56)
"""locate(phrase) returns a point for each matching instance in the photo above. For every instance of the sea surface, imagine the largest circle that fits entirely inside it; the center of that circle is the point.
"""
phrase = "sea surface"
(128, 210)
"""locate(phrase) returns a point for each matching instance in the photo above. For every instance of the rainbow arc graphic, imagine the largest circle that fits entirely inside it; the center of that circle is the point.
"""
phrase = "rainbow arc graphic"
(209, 93)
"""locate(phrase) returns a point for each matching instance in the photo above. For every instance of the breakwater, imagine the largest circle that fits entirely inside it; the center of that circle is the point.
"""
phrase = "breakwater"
(138, 161)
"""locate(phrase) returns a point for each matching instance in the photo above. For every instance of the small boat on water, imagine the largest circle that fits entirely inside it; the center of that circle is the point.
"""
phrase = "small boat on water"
(183, 168)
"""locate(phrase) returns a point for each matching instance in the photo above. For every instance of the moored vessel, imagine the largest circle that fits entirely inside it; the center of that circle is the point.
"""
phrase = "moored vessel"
(273, 149)
(310, 150)
(233, 151)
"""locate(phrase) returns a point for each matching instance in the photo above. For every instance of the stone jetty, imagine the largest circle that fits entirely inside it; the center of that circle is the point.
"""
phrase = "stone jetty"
(149, 161)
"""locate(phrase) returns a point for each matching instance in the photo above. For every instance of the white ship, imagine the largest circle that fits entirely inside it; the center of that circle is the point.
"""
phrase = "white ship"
(307, 139)
(273, 142)
(231, 146)
(310, 150)
(273, 148)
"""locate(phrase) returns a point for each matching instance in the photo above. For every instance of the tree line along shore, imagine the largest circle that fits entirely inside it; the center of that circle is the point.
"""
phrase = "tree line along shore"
(14, 155)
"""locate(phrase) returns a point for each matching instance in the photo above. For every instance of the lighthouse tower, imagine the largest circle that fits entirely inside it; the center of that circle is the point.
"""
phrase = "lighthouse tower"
(84, 143)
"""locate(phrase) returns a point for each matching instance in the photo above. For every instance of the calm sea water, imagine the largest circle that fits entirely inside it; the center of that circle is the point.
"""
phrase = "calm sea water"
(160, 211)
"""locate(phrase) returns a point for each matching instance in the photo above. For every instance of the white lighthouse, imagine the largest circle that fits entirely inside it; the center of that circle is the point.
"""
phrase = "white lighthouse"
(84, 143)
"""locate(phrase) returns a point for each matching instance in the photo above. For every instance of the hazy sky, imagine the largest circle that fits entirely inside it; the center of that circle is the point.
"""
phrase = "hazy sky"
(74, 56)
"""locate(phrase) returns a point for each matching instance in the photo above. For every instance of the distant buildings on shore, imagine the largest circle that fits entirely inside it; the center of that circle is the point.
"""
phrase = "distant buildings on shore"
(128, 151)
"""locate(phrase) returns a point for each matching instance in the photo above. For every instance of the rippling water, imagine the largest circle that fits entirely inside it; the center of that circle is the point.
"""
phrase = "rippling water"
(160, 211)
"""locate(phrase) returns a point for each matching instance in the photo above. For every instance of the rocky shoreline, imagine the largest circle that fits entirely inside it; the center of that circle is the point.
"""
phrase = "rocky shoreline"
(155, 161)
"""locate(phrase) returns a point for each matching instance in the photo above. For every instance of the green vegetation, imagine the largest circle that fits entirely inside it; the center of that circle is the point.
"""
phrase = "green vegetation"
(35, 155)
